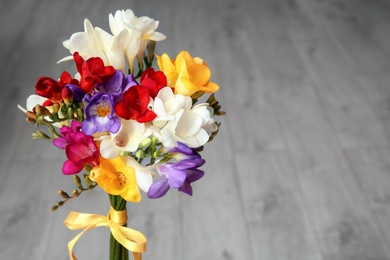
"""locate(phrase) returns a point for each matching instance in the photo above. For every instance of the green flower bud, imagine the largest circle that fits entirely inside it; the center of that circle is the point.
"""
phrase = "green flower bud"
(77, 181)
(69, 112)
(63, 194)
(80, 114)
(75, 193)
(154, 141)
(140, 154)
(88, 181)
(87, 168)
(56, 107)
(156, 154)
(42, 134)
(151, 47)
(145, 143)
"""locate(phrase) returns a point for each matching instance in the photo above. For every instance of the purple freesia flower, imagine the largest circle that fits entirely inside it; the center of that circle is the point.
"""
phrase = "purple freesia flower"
(178, 175)
(117, 84)
(100, 105)
(78, 93)
(100, 115)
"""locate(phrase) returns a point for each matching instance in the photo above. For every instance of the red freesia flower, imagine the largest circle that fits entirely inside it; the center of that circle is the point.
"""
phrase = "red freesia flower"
(48, 88)
(153, 81)
(135, 105)
(67, 79)
(80, 149)
(52, 89)
(92, 71)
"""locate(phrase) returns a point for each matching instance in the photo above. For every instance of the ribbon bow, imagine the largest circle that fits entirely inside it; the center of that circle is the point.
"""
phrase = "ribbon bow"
(131, 239)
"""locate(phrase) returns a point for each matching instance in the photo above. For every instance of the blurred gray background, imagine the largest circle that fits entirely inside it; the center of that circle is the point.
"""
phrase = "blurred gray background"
(299, 171)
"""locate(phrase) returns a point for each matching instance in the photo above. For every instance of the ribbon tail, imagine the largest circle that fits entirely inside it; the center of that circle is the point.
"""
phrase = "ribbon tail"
(74, 240)
(137, 256)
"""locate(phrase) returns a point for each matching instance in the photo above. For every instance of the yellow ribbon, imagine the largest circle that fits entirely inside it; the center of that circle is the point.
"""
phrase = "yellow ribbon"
(131, 239)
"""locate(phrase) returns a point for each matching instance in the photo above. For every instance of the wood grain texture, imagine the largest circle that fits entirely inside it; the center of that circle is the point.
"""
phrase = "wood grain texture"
(300, 169)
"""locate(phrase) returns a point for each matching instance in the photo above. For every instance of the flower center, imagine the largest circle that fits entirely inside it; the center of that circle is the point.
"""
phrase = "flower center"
(121, 139)
(122, 179)
(103, 110)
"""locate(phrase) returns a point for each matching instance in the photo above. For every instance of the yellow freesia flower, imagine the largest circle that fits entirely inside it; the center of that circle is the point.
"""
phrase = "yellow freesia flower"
(116, 178)
(186, 75)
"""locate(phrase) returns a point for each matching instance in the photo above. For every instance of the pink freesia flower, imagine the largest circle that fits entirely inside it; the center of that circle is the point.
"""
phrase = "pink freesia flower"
(80, 149)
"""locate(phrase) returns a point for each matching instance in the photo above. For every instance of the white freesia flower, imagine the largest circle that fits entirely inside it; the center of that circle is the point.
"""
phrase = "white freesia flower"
(139, 31)
(95, 42)
(181, 123)
(167, 105)
(144, 174)
(127, 139)
(31, 102)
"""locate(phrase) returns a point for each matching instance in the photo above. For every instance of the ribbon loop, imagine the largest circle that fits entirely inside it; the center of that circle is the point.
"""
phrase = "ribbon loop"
(131, 239)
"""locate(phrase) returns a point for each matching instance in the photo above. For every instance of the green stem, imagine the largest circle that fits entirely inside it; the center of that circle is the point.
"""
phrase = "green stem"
(117, 251)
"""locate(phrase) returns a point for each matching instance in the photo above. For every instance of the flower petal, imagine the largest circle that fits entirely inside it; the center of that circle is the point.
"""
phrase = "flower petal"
(175, 177)
(186, 188)
(60, 142)
(144, 179)
(158, 189)
(88, 127)
(189, 124)
(71, 168)
(108, 149)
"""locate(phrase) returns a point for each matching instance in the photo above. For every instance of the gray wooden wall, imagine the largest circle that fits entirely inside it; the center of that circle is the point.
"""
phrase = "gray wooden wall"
(300, 169)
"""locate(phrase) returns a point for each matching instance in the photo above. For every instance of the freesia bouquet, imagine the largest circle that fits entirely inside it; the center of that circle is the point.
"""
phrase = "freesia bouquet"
(129, 126)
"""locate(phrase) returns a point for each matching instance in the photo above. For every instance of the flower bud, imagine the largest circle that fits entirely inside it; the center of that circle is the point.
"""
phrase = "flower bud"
(67, 95)
(35, 136)
(41, 111)
(31, 115)
(88, 181)
(145, 143)
(154, 141)
(80, 114)
(63, 194)
(41, 134)
(151, 47)
(38, 110)
(77, 181)
(140, 154)
(69, 112)
(30, 120)
(75, 193)
(197, 95)
(87, 167)
(156, 154)
(56, 107)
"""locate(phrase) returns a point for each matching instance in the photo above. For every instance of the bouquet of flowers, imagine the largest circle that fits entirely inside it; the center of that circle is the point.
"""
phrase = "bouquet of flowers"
(129, 132)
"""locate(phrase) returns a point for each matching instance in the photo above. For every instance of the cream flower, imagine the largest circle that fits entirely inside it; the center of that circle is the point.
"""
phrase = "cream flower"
(180, 123)
(127, 139)
(139, 30)
(167, 105)
(144, 174)
(95, 42)
(31, 102)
